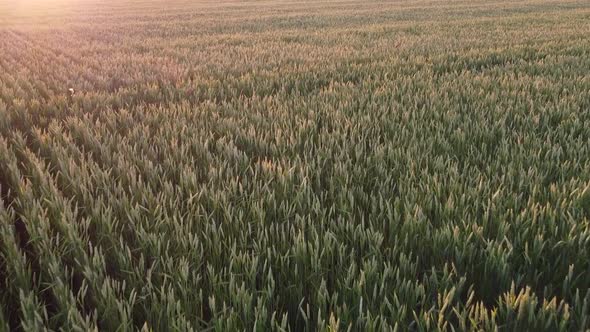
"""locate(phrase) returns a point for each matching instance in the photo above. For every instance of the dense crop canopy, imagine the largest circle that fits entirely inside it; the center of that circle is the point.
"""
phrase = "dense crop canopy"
(316, 165)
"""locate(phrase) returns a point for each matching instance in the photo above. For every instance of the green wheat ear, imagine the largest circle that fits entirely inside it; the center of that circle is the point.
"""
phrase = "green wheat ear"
(584, 201)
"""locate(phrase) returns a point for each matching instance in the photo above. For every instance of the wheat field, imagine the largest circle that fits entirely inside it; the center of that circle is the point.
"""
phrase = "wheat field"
(405, 165)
